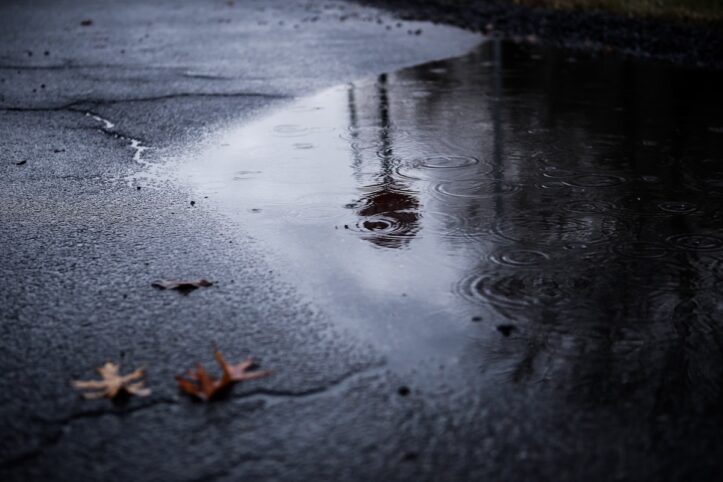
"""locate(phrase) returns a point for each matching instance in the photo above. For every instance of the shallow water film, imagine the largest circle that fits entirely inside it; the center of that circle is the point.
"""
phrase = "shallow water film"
(516, 213)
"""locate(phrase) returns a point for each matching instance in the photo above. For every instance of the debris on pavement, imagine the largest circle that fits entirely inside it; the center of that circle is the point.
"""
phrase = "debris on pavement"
(506, 329)
(113, 384)
(182, 286)
(201, 385)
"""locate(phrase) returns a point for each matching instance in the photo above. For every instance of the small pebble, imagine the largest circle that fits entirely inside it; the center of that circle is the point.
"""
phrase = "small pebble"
(506, 330)
(409, 456)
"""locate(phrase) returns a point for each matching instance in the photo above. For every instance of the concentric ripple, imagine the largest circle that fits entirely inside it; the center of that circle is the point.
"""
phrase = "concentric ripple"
(303, 145)
(588, 207)
(677, 207)
(454, 226)
(390, 230)
(595, 180)
(474, 189)
(519, 258)
(384, 225)
(655, 206)
(521, 289)
(696, 242)
(290, 130)
(443, 168)
(372, 133)
(558, 228)
(555, 172)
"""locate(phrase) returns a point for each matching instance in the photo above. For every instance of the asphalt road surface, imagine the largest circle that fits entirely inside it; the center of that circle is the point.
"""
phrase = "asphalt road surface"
(96, 95)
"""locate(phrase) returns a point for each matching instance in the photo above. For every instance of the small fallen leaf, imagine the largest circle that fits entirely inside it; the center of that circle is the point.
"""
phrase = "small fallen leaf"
(86, 23)
(183, 286)
(113, 383)
(201, 385)
(20, 163)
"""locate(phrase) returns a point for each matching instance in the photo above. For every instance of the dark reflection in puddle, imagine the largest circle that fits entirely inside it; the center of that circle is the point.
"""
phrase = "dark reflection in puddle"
(579, 203)
(388, 210)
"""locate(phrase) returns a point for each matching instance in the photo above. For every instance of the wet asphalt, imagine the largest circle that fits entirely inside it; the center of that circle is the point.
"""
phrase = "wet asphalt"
(84, 109)
(81, 245)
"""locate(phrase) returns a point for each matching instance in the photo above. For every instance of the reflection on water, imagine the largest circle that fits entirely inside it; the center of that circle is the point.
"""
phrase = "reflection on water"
(388, 210)
(575, 205)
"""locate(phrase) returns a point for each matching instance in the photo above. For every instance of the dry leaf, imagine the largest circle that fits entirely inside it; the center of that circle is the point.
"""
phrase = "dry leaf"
(201, 385)
(113, 383)
(183, 286)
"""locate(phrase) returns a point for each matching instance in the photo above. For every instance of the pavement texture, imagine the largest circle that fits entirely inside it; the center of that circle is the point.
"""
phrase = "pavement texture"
(91, 93)
(81, 246)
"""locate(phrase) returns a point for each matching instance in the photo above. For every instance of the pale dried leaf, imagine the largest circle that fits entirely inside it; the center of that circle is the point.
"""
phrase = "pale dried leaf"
(113, 383)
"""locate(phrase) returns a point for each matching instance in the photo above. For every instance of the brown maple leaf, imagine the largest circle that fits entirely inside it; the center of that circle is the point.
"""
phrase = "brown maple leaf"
(113, 383)
(183, 286)
(201, 385)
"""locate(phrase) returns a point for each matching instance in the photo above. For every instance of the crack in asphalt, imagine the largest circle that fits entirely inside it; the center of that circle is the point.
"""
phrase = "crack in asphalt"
(106, 123)
(269, 396)
(333, 387)
(185, 94)
(55, 437)
(49, 441)
(183, 71)
(76, 105)
(101, 412)
(217, 474)
(70, 66)
(108, 126)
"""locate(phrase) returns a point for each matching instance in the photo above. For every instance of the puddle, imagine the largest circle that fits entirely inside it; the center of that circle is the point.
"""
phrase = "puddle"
(575, 202)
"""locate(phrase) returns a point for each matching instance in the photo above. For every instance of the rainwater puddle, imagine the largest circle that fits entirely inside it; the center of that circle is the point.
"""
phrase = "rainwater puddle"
(432, 208)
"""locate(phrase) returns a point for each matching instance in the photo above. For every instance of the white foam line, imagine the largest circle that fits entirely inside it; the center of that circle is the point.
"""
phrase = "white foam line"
(136, 144)
(106, 123)
(139, 148)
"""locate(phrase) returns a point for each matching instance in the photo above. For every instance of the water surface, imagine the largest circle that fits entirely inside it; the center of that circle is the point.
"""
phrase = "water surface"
(516, 214)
